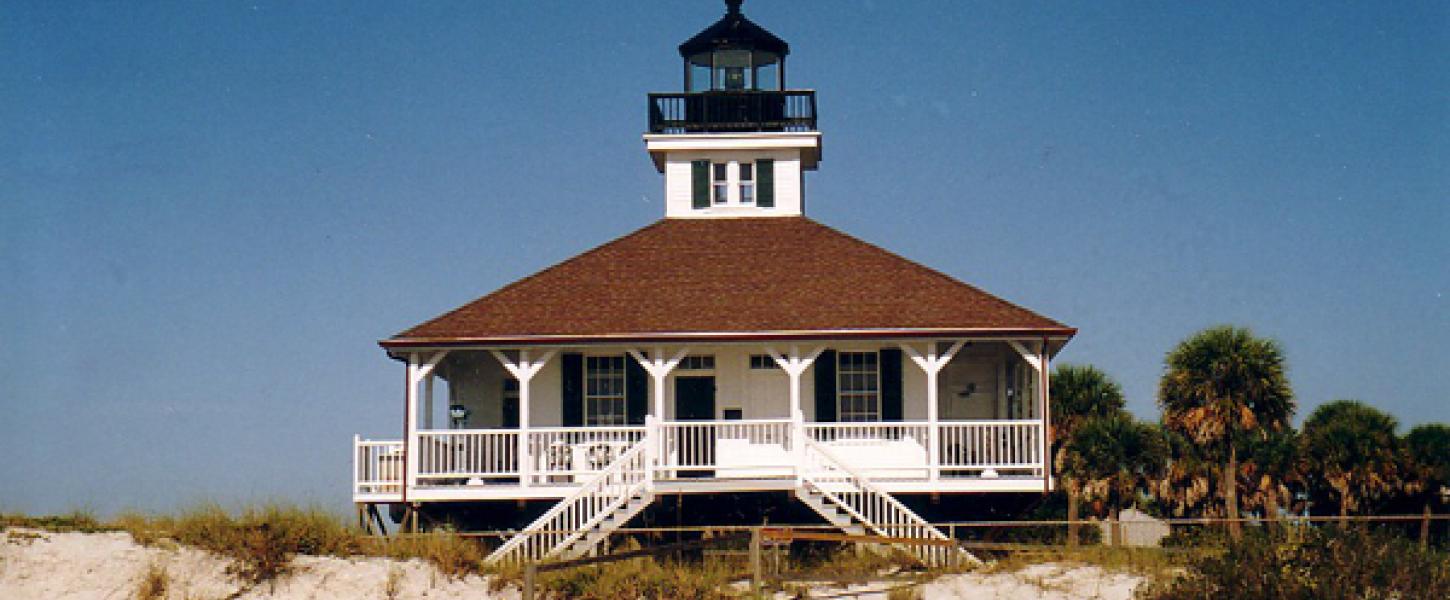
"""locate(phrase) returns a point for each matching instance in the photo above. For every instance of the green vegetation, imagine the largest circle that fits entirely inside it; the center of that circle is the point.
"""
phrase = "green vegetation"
(1354, 452)
(154, 583)
(77, 520)
(1114, 460)
(1081, 395)
(1223, 386)
(1325, 563)
(261, 541)
(1428, 468)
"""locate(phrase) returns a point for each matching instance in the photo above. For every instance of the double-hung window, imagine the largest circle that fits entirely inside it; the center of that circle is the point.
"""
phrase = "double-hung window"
(747, 183)
(721, 182)
(858, 386)
(739, 183)
(604, 401)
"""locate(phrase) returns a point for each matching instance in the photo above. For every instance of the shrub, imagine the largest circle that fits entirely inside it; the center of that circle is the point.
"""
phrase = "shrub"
(153, 583)
(260, 541)
(1327, 563)
(76, 520)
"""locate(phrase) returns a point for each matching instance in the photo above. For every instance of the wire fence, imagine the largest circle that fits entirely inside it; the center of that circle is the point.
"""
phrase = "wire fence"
(960, 529)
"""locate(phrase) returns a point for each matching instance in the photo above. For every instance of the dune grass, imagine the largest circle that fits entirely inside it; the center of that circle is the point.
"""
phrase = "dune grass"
(154, 583)
(83, 521)
(261, 540)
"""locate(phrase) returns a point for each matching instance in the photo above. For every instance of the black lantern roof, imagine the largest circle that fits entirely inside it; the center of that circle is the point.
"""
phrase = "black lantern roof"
(734, 31)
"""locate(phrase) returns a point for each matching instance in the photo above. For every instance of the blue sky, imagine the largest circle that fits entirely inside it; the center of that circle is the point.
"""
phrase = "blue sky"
(210, 212)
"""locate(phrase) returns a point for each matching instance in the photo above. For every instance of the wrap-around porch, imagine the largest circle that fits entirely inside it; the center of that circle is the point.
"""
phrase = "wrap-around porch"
(912, 416)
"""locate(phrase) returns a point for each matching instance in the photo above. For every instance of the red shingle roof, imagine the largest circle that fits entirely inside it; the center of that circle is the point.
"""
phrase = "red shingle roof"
(777, 277)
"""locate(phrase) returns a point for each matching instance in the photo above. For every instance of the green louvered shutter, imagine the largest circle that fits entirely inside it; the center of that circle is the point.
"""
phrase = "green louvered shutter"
(825, 368)
(700, 183)
(890, 384)
(636, 391)
(765, 183)
(572, 395)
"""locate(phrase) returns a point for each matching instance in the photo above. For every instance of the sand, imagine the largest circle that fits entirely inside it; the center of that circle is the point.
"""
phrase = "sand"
(51, 566)
(42, 565)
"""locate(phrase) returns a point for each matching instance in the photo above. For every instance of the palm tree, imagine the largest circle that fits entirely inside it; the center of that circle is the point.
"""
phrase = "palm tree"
(1079, 394)
(1223, 385)
(1273, 467)
(1429, 456)
(1352, 448)
(1114, 458)
(1188, 480)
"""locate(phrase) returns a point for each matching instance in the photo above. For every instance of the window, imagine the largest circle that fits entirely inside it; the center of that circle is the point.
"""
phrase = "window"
(604, 402)
(698, 363)
(721, 183)
(858, 386)
(747, 183)
(762, 361)
(732, 183)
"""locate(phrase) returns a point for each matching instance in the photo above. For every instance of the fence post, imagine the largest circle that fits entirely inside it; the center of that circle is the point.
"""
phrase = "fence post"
(955, 553)
(755, 576)
(529, 573)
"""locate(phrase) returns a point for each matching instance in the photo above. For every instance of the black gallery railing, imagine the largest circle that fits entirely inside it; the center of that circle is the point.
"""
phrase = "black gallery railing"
(732, 111)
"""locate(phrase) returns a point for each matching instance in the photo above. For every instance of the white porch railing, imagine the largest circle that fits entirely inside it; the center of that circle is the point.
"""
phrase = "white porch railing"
(467, 454)
(987, 448)
(377, 466)
(725, 449)
(754, 449)
(570, 454)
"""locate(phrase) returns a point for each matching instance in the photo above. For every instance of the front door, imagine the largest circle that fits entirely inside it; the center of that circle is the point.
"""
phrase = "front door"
(695, 401)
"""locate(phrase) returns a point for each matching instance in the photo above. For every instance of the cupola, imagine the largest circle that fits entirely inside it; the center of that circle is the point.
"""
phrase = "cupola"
(736, 141)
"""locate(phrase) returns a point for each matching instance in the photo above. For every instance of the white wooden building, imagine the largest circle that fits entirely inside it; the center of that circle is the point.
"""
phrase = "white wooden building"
(733, 346)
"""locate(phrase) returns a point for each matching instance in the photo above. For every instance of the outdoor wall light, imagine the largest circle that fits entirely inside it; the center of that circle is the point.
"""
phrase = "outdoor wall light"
(459, 414)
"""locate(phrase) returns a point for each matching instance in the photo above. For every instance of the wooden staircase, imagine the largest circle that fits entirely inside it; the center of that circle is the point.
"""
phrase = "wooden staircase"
(853, 504)
(578, 523)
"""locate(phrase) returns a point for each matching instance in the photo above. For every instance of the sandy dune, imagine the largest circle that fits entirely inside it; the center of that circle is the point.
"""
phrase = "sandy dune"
(50, 566)
(104, 566)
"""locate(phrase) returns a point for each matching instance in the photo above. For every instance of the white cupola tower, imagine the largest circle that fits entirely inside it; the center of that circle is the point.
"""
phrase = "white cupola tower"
(736, 142)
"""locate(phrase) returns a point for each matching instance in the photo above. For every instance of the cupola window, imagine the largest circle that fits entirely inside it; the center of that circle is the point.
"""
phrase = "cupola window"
(734, 183)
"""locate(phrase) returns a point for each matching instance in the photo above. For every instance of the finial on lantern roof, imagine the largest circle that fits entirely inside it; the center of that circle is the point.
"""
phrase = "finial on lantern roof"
(733, 6)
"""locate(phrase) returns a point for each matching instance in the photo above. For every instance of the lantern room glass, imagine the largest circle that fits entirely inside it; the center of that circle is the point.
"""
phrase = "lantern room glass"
(734, 69)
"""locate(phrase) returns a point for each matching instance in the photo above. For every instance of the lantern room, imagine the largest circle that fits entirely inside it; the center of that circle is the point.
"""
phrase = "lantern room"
(734, 54)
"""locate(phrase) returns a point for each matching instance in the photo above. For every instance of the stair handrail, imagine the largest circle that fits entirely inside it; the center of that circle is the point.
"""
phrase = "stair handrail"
(589, 489)
(865, 484)
(861, 482)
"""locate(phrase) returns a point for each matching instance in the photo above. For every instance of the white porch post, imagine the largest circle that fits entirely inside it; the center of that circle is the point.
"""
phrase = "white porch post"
(931, 363)
(1046, 374)
(1039, 360)
(524, 370)
(659, 368)
(410, 428)
(428, 402)
(794, 366)
(417, 371)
